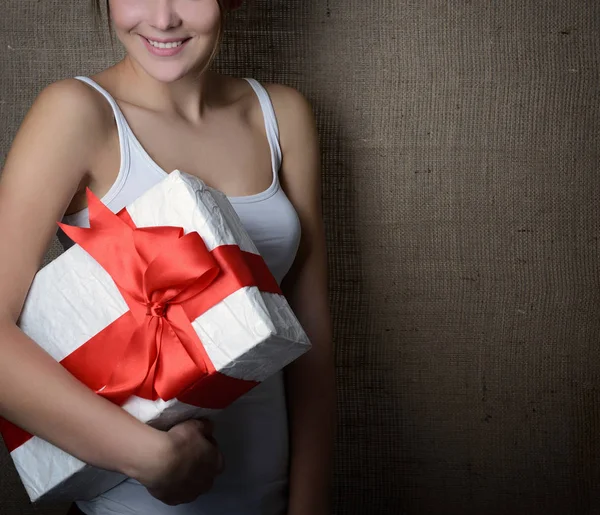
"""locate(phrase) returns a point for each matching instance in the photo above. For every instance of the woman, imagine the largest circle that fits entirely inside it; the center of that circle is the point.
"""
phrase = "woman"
(161, 108)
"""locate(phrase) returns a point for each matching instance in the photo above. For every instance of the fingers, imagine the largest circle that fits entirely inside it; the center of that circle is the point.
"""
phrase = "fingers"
(206, 428)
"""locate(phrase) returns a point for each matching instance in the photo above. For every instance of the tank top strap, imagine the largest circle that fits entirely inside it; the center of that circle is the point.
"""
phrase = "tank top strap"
(271, 126)
(119, 117)
(121, 121)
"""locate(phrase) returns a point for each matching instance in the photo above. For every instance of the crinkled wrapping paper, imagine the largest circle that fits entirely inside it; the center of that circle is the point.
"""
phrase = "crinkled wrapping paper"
(249, 335)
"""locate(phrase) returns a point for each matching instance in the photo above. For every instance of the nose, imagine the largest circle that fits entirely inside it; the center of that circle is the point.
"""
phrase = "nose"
(164, 15)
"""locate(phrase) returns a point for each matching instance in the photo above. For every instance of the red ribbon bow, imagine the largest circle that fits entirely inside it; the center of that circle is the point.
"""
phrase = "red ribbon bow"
(156, 269)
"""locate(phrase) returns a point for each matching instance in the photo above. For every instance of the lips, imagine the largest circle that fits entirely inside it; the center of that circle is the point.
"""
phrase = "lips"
(165, 47)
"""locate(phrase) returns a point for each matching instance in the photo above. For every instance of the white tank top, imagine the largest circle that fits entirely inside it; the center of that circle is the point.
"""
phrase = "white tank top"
(252, 433)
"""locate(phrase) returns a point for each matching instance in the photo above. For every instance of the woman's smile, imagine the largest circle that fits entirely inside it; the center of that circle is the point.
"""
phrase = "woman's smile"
(165, 47)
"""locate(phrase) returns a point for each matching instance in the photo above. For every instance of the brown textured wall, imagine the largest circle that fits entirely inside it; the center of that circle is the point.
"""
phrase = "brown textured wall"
(461, 147)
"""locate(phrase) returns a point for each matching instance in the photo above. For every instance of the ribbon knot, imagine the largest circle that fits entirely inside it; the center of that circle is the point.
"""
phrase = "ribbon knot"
(156, 309)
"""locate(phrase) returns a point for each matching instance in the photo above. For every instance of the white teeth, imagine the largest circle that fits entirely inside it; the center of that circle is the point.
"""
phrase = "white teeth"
(172, 44)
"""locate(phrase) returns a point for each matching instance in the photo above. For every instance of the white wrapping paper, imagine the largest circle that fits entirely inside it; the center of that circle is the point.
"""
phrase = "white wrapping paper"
(249, 335)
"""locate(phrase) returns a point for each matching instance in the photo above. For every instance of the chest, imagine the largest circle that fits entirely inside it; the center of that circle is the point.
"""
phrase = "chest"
(228, 150)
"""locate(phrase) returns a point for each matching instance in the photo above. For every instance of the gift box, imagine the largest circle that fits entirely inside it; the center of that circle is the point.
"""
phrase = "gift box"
(166, 309)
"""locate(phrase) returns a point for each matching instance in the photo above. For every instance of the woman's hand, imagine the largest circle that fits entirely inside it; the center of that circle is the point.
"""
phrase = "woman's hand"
(186, 464)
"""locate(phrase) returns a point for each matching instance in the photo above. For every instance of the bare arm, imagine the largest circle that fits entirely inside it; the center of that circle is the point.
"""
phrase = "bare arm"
(48, 162)
(309, 380)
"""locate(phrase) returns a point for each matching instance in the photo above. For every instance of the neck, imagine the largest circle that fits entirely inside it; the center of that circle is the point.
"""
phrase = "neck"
(189, 96)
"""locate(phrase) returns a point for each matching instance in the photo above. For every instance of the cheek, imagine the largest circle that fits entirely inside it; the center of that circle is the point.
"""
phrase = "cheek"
(127, 14)
(201, 16)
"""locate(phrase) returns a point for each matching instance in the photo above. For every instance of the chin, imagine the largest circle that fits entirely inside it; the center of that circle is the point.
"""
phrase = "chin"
(167, 73)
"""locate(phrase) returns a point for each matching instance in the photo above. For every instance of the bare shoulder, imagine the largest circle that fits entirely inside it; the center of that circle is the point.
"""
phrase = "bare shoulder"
(291, 107)
(287, 97)
(61, 133)
(71, 104)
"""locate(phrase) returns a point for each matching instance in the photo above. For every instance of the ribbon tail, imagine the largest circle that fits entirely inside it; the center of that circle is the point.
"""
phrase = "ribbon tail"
(138, 362)
(183, 359)
(147, 389)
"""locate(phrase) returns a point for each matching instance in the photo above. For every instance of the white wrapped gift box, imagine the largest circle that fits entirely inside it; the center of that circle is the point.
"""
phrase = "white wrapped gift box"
(250, 335)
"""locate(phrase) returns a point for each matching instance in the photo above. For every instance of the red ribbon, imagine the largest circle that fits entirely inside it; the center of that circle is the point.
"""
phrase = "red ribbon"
(167, 279)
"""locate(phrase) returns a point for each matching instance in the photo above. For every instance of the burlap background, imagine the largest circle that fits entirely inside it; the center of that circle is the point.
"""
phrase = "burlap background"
(461, 143)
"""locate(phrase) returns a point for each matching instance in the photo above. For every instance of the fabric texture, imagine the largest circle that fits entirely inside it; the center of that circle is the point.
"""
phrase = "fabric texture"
(460, 153)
